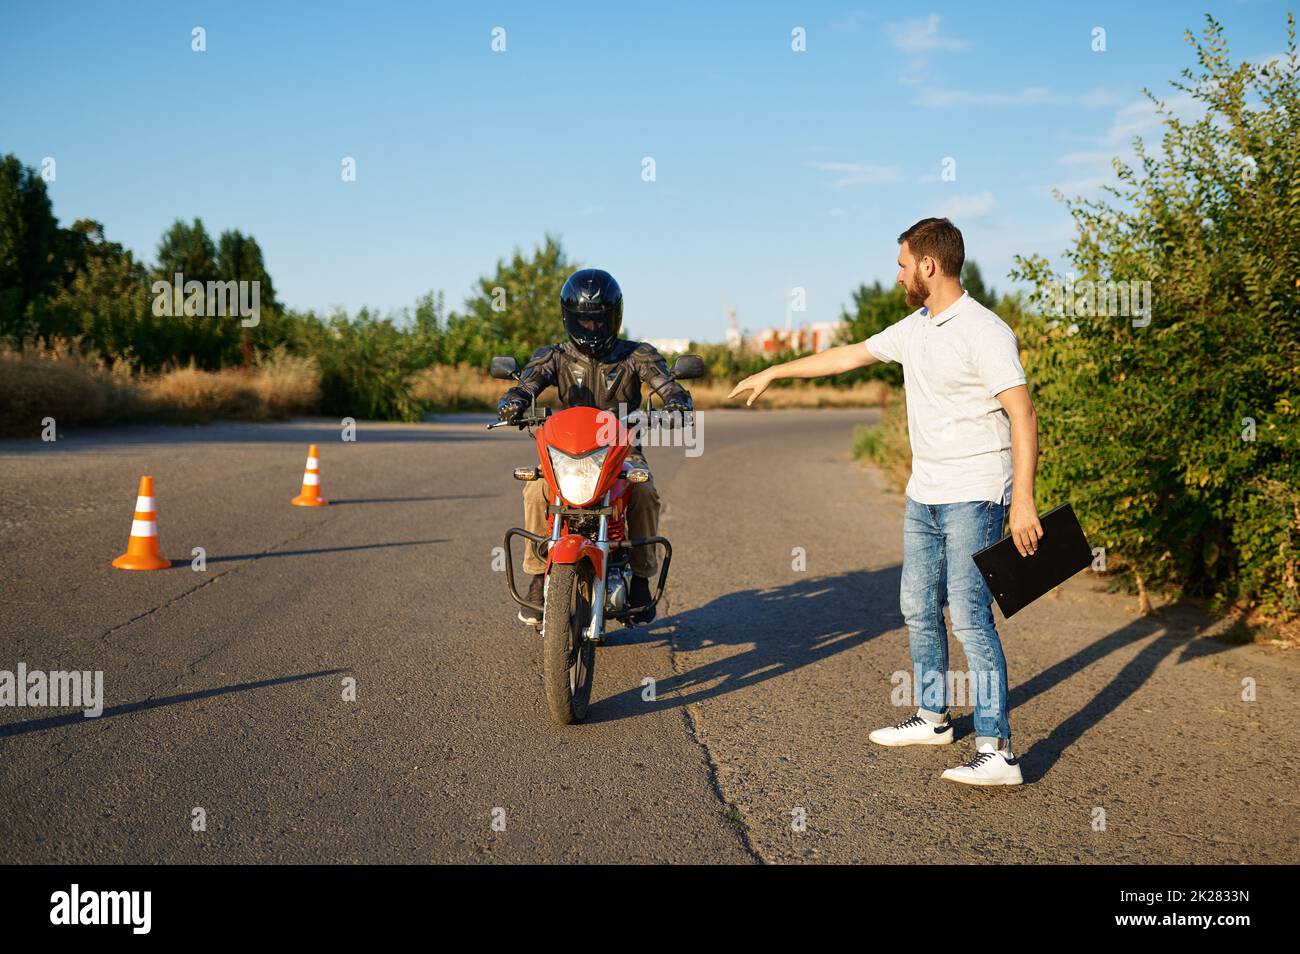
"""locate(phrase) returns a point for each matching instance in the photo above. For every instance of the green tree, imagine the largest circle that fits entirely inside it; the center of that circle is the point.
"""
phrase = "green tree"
(875, 308)
(517, 309)
(209, 341)
(31, 246)
(105, 299)
(973, 282)
(188, 249)
(239, 259)
(1175, 433)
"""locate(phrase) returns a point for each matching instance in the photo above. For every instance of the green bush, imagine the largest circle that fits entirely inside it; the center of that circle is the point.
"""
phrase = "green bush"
(1177, 440)
(886, 444)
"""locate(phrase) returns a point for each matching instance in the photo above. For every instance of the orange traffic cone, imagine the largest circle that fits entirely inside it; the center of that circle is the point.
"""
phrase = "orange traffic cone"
(310, 496)
(142, 549)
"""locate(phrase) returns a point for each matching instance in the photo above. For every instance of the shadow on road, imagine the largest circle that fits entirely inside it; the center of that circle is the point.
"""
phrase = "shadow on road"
(1038, 760)
(772, 632)
(780, 630)
(78, 718)
(383, 500)
(319, 550)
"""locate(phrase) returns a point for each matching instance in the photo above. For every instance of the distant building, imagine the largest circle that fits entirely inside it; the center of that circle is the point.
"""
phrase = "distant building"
(817, 336)
(735, 337)
(669, 345)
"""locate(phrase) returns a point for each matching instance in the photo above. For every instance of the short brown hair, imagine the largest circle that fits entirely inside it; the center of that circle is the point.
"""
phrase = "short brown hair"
(939, 239)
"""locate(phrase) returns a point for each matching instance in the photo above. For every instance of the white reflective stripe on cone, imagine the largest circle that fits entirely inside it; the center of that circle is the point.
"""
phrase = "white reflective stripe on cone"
(311, 479)
(312, 463)
(144, 528)
(144, 504)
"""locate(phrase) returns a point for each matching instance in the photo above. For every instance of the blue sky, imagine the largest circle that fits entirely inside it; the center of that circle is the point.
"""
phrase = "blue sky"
(774, 168)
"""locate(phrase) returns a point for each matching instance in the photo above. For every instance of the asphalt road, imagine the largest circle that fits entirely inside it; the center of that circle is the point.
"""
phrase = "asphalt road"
(224, 689)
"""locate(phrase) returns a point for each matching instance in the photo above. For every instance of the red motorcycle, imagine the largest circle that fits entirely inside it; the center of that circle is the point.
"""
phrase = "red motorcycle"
(583, 459)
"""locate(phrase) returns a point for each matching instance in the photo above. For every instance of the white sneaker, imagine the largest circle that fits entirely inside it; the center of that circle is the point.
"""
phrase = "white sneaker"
(914, 731)
(988, 767)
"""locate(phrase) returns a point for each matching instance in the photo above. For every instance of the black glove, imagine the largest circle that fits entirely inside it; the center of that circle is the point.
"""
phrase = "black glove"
(511, 407)
(677, 413)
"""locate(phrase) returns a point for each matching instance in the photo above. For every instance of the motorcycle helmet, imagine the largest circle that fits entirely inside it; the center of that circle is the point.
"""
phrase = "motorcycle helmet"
(592, 304)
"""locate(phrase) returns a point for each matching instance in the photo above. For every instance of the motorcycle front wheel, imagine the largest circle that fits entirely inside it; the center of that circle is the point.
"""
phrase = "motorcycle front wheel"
(568, 660)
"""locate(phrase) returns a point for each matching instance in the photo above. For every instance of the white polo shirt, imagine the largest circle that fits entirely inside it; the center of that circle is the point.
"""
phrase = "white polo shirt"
(954, 363)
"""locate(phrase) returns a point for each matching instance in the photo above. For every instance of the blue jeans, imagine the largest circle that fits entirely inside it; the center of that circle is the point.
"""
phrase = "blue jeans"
(938, 540)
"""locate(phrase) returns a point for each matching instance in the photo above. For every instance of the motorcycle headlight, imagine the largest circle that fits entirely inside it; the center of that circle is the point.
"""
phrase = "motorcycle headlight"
(578, 476)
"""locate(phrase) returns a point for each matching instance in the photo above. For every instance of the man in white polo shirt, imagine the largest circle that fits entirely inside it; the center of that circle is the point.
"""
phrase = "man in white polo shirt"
(974, 436)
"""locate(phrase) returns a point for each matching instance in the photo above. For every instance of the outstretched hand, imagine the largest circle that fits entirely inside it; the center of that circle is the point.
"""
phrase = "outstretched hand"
(755, 382)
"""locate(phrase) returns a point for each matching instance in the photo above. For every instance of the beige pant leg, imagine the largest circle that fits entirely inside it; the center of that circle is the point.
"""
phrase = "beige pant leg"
(642, 522)
(535, 521)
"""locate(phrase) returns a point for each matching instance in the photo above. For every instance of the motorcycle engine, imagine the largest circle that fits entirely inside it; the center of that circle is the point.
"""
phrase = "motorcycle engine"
(615, 590)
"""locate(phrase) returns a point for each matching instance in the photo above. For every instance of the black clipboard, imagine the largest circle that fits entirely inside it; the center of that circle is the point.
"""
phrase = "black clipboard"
(1017, 581)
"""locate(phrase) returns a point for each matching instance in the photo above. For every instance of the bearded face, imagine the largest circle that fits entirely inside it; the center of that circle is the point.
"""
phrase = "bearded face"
(917, 291)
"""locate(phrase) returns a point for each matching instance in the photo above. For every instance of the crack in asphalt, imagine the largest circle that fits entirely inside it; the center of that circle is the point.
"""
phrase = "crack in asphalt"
(191, 666)
(730, 810)
(216, 576)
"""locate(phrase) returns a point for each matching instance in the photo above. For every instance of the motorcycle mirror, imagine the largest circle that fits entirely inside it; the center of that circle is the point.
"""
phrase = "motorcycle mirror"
(688, 366)
(505, 368)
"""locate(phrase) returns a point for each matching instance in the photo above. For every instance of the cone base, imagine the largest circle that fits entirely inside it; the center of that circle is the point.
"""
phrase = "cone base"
(137, 561)
(301, 501)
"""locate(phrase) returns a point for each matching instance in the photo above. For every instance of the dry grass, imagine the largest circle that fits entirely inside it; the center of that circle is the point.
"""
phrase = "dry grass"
(76, 387)
(467, 388)
(287, 384)
(280, 385)
(59, 382)
(460, 387)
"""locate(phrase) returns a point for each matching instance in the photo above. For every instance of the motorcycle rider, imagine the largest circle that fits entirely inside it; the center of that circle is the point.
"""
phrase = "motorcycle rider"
(596, 368)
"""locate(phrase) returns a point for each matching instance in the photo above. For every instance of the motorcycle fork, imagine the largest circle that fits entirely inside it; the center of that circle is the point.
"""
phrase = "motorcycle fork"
(597, 628)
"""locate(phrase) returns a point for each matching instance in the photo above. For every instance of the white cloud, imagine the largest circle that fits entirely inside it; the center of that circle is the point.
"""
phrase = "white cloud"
(852, 20)
(921, 36)
(1139, 118)
(1074, 187)
(1281, 56)
(968, 207)
(1094, 167)
(948, 98)
(915, 73)
(1085, 158)
(1027, 96)
(859, 173)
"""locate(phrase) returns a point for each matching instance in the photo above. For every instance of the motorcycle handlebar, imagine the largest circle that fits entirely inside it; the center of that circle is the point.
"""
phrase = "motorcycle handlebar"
(665, 419)
(524, 420)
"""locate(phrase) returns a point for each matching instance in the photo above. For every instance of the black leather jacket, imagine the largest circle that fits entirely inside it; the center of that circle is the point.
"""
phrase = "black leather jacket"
(606, 382)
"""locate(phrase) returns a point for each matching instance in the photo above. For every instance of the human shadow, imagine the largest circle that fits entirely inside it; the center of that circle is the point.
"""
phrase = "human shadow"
(1188, 643)
(78, 717)
(770, 632)
(1039, 759)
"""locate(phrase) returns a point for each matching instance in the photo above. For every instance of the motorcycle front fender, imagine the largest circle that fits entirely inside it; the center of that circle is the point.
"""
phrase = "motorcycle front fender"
(573, 547)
